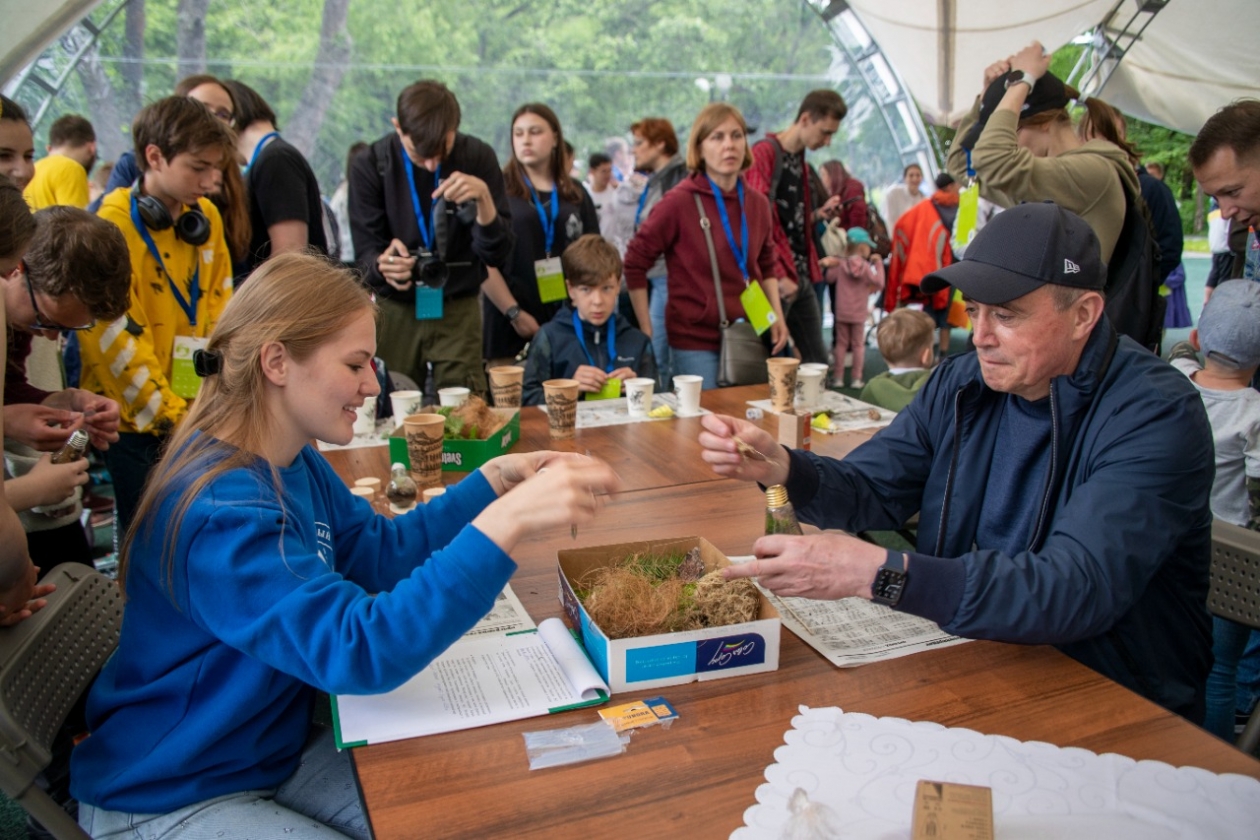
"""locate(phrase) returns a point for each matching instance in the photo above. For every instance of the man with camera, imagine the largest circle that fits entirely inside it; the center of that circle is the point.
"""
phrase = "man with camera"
(428, 214)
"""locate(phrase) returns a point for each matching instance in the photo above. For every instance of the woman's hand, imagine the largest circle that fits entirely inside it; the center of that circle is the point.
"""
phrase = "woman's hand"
(995, 71)
(1032, 60)
(720, 451)
(778, 335)
(564, 489)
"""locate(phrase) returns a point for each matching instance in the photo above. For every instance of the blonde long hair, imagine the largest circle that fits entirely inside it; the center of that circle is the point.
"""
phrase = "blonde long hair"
(299, 300)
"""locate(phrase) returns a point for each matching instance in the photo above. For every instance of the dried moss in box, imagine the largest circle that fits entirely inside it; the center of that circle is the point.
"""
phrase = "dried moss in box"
(474, 420)
(647, 594)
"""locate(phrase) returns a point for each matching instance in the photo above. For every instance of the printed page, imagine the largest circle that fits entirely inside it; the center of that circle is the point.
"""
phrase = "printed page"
(506, 616)
(847, 414)
(855, 631)
(594, 413)
(479, 681)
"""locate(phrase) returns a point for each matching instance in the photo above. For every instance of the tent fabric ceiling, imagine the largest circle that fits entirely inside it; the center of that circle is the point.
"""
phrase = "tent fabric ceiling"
(30, 27)
(1193, 57)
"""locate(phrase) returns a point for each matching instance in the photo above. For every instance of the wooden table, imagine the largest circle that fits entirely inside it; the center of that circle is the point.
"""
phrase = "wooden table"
(696, 778)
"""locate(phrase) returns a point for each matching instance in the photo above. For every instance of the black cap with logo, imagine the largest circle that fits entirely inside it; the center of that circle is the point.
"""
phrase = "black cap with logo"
(1022, 249)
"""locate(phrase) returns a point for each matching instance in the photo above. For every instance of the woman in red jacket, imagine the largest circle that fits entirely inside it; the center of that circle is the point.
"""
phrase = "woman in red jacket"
(717, 155)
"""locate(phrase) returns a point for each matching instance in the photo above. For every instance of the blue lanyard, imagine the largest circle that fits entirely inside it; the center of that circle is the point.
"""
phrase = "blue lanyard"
(642, 201)
(194, 292)
(741, 256)
(427, 231)
(548, 225)
(612, 340)
(971, 172)
(258, 149)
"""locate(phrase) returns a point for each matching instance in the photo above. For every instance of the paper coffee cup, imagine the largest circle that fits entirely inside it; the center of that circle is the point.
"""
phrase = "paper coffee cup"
(505, 385)
(639, 395)
(809, 384)
(373, 484)
(561, 397)
(404, 403)
(782, 376)
(432, 493)
(424, 447)
(365, 417)
(687, 389)
(453, 397)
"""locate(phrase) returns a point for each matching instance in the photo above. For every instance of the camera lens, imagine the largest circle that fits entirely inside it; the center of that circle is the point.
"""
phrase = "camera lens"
(430, 269)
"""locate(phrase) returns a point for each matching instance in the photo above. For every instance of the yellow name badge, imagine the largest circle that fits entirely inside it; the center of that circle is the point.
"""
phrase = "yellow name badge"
(184, 379)
(968, 214)
(610, 391)
(550, 280)
(757, 307)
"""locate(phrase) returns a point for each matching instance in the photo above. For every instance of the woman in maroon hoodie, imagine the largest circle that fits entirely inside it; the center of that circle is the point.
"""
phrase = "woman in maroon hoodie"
(717, 155)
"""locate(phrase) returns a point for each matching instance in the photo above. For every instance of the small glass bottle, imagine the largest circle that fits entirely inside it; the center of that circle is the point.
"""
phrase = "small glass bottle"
(780, 515)
(74, 449)
(401, 490)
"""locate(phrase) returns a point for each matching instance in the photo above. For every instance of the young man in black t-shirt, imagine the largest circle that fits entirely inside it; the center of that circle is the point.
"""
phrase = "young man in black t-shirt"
(285, 209)
(779, 171)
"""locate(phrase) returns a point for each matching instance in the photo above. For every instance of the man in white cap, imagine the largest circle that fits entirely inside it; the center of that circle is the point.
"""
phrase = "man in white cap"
(1061, 473)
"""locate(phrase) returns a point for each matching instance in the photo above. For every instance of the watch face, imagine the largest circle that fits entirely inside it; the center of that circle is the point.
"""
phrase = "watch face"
(888, 587)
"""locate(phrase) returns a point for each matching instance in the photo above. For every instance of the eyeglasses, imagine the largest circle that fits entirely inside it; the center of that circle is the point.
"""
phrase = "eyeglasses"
(40, 323)
(223, 115)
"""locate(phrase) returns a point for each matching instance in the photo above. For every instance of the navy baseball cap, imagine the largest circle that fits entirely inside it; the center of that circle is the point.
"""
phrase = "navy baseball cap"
(1021, 250)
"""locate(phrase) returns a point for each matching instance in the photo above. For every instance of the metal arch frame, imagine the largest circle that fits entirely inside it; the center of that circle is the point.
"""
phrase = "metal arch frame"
(897, 107)
(76, 42)
(1110, 43)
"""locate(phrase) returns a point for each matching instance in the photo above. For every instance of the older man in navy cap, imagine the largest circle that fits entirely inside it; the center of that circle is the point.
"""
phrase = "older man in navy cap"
(1062, 474)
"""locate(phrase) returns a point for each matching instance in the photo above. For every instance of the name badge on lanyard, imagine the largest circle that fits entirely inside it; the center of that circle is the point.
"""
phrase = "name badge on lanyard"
(184, 379)
(547, 272)
(756, 305)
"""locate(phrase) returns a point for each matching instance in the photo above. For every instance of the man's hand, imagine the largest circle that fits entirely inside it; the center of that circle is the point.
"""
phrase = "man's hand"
(1033, 60)
(822, 566)
(100, 414)
(395, 264)
(623, 373)
(51, 484)
(526, 325)
(40, 427)
(462, 187)
(720, 451)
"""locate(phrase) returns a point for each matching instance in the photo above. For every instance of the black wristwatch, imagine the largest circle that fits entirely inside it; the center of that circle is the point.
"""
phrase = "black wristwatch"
(890, 580)
(1017, 77)
(512, 313)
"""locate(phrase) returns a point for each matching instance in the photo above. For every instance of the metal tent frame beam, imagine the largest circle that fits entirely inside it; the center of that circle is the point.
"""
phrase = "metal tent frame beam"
(1111, 40)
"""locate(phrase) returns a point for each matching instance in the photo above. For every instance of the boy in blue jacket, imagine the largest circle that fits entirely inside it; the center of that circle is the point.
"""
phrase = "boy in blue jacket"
(585, 340)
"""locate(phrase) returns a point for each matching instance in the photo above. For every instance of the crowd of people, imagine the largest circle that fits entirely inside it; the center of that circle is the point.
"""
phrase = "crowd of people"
(216, 319)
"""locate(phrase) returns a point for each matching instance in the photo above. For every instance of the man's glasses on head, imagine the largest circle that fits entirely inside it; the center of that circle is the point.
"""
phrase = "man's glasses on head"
(40, 323)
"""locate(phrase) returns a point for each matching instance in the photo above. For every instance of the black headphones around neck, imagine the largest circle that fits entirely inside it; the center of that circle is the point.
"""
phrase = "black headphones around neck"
(192, 226)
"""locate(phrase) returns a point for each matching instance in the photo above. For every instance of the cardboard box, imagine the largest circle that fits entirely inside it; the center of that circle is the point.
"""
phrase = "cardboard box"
(948, 811)
(465, 455)
(795, 429)
(648, 662)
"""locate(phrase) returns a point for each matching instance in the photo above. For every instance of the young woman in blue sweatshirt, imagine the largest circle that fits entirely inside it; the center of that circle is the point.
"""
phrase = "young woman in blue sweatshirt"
(255, 579)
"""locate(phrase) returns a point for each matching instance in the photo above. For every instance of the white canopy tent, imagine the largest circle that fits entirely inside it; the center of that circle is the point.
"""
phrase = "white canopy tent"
(30, 27)
(1192, 58)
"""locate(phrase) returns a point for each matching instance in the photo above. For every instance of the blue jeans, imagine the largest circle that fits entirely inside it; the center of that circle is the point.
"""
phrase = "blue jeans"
(1249, 675)
(320, 801)
(702, 363)
(660, 338)
(1229, 639)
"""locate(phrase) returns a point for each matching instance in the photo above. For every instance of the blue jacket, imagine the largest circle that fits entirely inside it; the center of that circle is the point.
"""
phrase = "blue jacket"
(1116, 575)
(556, 354)
(211, 688)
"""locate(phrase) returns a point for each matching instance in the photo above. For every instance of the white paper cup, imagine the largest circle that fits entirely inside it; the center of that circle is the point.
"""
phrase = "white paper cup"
(453, 397)
(365, 417)
(639, 395)
(432, 493)
(687, 388)
(404, 403)
(809, 385)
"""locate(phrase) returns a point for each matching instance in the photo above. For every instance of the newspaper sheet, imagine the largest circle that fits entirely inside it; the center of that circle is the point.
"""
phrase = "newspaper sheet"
(594, 413)
(853, 631)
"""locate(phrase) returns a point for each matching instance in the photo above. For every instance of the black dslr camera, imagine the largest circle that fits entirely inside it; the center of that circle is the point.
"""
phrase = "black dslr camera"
(430, 268)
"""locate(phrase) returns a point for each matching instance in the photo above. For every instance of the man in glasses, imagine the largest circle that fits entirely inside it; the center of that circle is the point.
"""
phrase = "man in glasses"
(75, 271)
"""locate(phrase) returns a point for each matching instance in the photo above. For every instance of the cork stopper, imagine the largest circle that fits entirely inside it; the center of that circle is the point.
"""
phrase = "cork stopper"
(776, 495)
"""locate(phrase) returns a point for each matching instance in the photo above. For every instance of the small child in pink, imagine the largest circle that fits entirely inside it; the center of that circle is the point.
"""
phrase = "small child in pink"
(853, 280)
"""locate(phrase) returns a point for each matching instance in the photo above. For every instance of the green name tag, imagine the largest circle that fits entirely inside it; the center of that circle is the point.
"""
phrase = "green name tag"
(968, 212)
(757, 307)
(550, 280)
(611, 391)
(184, 379)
